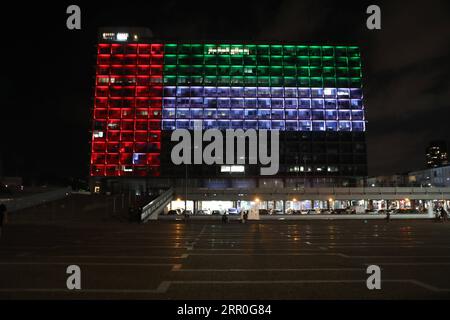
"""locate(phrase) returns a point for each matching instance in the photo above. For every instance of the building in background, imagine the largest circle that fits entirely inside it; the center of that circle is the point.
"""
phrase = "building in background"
(437, 154)
(433, 177)
(394, 180)
(147, 88)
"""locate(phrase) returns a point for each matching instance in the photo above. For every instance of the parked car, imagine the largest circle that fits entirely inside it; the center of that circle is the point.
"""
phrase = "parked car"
(203, 212)
(339, 211)
(406, 211)
(172, 212)
(189, 212)
(216, 212)
(263, 211)
(233, 211)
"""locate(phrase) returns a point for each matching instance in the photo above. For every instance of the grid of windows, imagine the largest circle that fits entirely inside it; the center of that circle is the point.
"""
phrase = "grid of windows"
(144, 88)
(284, 87)
(126, 138)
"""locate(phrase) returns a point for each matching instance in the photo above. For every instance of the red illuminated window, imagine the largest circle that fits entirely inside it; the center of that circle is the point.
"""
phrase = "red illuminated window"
(126, 139)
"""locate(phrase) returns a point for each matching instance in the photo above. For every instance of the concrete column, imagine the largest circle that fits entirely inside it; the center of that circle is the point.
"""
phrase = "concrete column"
(284, 206)
(430, 209)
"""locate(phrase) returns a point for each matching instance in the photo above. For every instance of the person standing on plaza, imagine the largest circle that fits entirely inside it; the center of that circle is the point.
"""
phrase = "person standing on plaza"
(388, 215)
(443, 215)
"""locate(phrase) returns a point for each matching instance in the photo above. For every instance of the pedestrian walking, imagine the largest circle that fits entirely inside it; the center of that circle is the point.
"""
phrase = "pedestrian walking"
(388, 216)
(3, 217)
(443, 215)
(224, 218)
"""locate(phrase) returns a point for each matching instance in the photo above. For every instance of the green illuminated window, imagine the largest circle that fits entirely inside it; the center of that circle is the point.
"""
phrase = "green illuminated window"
(184, 48)
(342, 82)
(290, 81)
(251, 49)
(302, 61)
(210, 59)
(223, 81)
(263, 81)
(355, 72)
(276, 60)
(303, 81)
(263, 60)
(342, 72)
(327, 51)
(197, 80)
(184, 59)
(170, 80)
(237, 70)
(289, 71)
(197, 59)
(237, 81)
(302, 50)
(250, 60)
(276, 81)
(353, 52)
(184, 69)
(354, 62)
(210, 70)
(170, 69)
(263, 71)
(182, 80)
(315, 61)
(329, 72)
(250, 81)
(328, 61)
(315, 71)
(223, 70)
(276, 50)
(289, 60)
(223, 59)
(315, 51)
(329, 82)
(236, 59)
(316, 82)
(303, 71)
(289, 51)
(355, 82)
(262, 49)
(170, 48)
(210, 80)
(341, 62)
(197, 49)
(170, 59)
(276, 71)
(196, 70)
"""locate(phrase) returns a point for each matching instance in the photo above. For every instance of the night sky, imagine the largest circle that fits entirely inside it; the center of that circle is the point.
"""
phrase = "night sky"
(47, 76)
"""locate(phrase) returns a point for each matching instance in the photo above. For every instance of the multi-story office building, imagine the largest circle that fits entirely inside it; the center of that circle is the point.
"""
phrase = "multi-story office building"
(147, 88)
(437, 154)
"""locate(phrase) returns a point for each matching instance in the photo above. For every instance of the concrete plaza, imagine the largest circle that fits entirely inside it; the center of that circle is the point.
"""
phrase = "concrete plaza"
(210, 260)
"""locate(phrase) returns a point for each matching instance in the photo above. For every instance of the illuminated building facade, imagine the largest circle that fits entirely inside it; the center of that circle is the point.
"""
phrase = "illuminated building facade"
(437, 154)
(145, 89)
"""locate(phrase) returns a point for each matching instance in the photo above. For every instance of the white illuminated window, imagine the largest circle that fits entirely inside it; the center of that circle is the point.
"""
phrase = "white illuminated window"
(237, 169)
(122, 36)
(98, 134)
(108, 36)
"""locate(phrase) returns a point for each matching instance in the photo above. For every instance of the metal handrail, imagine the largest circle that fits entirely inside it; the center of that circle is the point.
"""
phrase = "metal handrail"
(149, 209)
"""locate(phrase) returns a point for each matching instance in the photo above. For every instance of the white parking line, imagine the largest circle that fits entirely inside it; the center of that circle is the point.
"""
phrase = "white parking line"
(164, 286)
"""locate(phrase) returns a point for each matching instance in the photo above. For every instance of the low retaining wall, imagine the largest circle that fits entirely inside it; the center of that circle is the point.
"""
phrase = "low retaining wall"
(28, 201)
